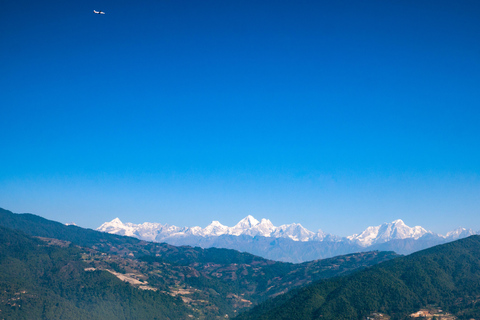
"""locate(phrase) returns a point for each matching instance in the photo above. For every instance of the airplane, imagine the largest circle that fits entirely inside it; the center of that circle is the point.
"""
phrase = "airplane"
(98, 12)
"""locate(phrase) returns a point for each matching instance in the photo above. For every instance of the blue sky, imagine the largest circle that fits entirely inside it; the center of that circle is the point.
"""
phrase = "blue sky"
(334, 114)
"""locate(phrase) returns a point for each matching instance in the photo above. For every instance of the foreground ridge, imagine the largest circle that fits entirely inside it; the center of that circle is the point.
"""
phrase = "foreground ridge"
(442, 282)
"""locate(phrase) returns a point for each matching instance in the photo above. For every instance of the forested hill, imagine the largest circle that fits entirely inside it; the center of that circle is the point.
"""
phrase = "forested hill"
(446, 276)
(41, 281)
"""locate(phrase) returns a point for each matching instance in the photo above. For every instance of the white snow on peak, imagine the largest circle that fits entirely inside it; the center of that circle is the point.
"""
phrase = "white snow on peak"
(249, 226)
(116, 226)
(116, 221)
(366, 237)
(266, 223)
(254, 228)
(294, 231)
(214, 229)
(243, 226)
(455, 232)
(265, 226)
(386, 232)
(459, 233)
(247, 222)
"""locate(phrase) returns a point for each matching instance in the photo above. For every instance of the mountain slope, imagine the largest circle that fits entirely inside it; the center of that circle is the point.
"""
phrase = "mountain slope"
(40, 281)
(447, 276)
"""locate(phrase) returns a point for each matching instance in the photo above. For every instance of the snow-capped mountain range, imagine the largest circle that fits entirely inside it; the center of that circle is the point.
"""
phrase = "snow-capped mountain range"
(292, 242)
(388, 231)
(248, 226)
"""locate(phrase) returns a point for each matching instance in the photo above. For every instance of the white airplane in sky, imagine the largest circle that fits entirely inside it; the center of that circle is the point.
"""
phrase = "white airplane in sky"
(98, 12)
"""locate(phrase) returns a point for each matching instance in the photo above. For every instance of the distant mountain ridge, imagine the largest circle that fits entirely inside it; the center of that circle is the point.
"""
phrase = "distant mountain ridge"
(289, 242)
(388, 231)
(247, 226)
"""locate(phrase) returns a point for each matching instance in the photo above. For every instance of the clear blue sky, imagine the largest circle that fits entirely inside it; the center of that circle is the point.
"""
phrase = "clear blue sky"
(334, 114)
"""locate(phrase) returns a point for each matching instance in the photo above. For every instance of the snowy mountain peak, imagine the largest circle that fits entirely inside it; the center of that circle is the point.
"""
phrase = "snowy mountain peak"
(386, 232)
(244, 225)
(216, 223)
(296, 232)
(248, 222)
(213, 229)
(116, 226)
(116, 221)
(266, 223)
(459, 233)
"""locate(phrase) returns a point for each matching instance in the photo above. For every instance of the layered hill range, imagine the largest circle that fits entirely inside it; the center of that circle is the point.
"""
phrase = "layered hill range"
(49, 270)
(290, 242)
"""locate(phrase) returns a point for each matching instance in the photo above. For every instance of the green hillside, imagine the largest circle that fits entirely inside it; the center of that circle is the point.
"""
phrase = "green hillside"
(212, 283)
(446, 276)
(40, 281)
